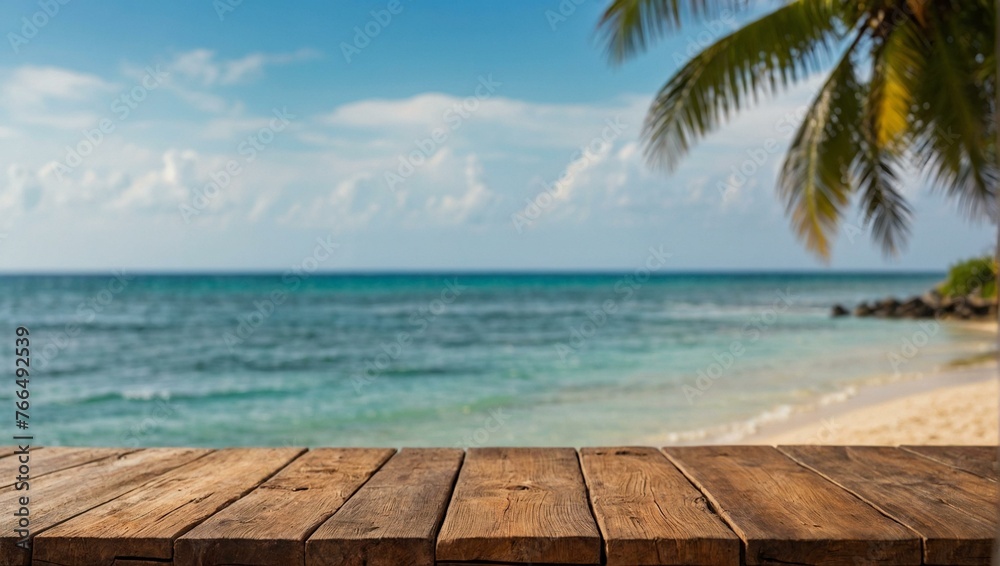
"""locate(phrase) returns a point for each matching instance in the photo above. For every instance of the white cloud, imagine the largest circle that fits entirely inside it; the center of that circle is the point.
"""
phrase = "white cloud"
(504, 119)
(30, 86)
(202, 66)
(330, 169)
(162, 189)
(426, 110)
(195, 75)
(52, 97)
(462, 204)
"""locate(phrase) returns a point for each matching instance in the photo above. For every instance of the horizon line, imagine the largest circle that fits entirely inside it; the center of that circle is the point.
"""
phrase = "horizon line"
(472, 271)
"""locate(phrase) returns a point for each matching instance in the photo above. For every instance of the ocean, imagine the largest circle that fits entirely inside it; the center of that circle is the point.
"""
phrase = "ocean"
(451, 359)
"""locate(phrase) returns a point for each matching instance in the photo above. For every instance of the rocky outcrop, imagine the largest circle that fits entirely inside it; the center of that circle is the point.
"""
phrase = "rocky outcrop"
(928, 305)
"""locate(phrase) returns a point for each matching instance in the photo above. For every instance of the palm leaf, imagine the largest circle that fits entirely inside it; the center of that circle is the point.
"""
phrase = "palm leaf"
(630, 25)
(895, 67)
(815, 177)
(883, 205)
(884, 129)
(760, 59)
(952, 137)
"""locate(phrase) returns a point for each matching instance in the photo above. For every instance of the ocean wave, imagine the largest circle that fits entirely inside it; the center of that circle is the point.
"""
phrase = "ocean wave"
(739, 430)
(735, 431)
(145, 396)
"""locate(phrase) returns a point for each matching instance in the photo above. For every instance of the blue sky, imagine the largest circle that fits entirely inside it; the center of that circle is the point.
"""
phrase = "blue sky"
(475, 135)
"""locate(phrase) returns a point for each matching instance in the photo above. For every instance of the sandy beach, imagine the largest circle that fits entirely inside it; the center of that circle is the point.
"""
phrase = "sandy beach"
(959, 405)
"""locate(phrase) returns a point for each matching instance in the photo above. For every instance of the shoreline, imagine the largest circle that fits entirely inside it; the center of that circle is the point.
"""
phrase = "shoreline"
(954, 403)
(959, 404)
(955, 406)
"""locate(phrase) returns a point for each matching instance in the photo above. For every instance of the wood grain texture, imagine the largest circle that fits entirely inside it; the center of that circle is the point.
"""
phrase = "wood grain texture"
(649, 513)
(394, 518)
(787, 514)
(8, 451)
(118, 562)
(269, 525)
(60, 496)
(954, 511)
(979, 460)
(144, 524)
(53, 459)
(522, 505)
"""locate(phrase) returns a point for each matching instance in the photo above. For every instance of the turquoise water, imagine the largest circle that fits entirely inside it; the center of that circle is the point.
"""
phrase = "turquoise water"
(396, 360)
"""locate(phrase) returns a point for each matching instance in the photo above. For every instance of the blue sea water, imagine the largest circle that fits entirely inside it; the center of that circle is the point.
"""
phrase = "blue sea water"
(450, 360)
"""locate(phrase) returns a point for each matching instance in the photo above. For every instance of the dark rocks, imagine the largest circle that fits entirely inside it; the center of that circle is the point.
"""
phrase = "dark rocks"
(914, 308)
(929, 305)
(886, 308)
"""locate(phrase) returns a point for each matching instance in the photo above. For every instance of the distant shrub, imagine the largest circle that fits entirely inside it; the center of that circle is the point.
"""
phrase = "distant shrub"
(973, 276)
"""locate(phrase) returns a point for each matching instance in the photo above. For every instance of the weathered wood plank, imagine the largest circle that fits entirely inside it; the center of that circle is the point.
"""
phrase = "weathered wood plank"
(62, 495)
(54, 459)
(394, 518)
(520, 505)
(269, 525)
(787, 514)
(649, 513)
(143, 524)
(952, 510)
(8, 451)
(979, 460)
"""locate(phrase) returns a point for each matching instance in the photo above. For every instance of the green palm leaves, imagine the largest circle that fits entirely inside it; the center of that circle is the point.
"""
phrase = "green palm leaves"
(912, 85)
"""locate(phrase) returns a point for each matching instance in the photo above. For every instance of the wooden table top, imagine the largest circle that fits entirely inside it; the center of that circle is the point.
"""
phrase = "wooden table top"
(711, 505)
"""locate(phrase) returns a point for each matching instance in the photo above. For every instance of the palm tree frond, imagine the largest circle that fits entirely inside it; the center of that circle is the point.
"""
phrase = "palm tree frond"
(895, 62)
(884, 207)
(815, 178)
(629, 26)
(952, 141)
(760, 59)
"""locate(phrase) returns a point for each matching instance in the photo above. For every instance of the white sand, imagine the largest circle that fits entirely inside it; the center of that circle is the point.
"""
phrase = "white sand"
(960, 406)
